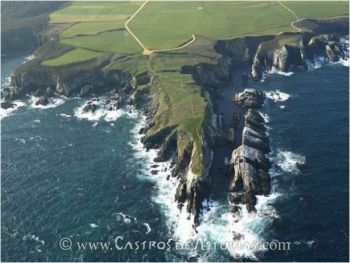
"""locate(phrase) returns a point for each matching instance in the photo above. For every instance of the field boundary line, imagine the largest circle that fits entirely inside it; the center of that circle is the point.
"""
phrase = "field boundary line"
(176, 48)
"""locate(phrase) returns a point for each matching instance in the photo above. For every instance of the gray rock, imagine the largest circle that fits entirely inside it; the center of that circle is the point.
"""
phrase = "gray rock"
(249, 98)
(43, 100)
(90, 107)
(7, 105)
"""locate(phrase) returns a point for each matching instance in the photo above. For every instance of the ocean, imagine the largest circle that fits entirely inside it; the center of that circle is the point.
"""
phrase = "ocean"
(86, 178)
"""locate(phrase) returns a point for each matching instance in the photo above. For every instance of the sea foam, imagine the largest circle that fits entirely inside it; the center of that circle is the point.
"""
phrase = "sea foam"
(53, 102)
(273, 70)
(102, 113)
(277, 95)
(289, 161)
(7, 112)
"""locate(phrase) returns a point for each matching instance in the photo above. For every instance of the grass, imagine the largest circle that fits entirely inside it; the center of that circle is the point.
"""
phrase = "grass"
(117, 42)
(312, 9)
(160, 25)
(169, 24)
(91, 28)
(180, 103)
(82, 11)
(136, 64)
(76, 55)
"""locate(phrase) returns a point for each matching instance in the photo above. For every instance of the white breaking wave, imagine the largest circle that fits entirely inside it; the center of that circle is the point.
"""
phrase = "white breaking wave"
(53, 102)
(28, 58)
(317, 63)
(289, 161)
(7, 112)
(108, 115)
(125, 219)
(345, 61)
(265, 117)
(65, 115)
(279, 72)
(277, 95)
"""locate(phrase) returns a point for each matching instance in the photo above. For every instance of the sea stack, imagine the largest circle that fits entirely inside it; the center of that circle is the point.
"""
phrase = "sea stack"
(249, 162)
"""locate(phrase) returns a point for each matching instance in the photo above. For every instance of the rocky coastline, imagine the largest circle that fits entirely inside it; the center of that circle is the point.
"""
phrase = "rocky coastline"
(248, 164)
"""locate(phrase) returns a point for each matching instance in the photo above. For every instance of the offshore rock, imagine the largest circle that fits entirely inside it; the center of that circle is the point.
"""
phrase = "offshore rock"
(43, 100)
(7, 105)
(249, 163)
(90, 107)
(249, 98)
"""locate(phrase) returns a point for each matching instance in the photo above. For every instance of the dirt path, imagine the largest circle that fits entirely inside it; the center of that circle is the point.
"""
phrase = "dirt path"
(146, 51)
(176, 48)
(294, 14)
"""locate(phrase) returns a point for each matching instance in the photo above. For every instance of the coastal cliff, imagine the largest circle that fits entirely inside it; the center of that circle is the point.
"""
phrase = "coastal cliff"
(187, 144)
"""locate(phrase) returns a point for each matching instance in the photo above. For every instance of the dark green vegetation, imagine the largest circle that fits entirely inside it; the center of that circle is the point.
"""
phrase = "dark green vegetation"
(22, 24)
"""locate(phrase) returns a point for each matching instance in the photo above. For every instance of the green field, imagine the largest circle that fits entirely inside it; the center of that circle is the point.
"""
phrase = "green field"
(318, 9)
(91, 28)
(117, 42)
(166, 25)
(75, 55)
(94, 11)
(169, 24)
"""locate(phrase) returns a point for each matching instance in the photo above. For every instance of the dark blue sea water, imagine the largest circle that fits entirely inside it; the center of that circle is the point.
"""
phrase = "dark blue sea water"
(66, 176)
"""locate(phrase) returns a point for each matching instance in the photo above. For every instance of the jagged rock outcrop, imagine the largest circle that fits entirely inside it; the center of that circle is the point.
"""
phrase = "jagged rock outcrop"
(81, 79)
(7, 104)
(249, 162)
(250, 98)
(283, 53)
(43, 100)
(291, 52)
(90, 107)
(328, 46)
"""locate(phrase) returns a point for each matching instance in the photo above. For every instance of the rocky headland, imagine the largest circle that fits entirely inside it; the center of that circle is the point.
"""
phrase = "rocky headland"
(191, 153)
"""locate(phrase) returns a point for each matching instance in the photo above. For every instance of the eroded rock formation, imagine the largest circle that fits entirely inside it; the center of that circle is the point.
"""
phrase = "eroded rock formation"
(292, 52)
(249, 162)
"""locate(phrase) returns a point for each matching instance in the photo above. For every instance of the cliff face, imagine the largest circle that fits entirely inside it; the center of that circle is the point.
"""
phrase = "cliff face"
(291, 52)
(83, 79)
(194, 188)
